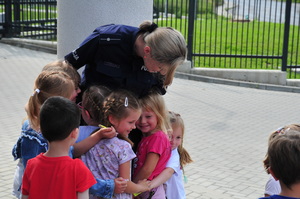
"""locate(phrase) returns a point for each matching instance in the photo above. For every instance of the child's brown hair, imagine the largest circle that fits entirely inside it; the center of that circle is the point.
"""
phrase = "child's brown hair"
(284, 157)
(117, 105)
(92, 101)
(60, 65)
(273, 135)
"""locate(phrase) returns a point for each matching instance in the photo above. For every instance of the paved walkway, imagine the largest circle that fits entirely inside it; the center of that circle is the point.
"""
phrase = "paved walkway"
(227, 127)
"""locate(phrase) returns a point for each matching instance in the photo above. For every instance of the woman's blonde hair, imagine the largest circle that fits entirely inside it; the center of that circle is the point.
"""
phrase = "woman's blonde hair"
(154, 102)
(47, 84)
(177, 122)
(167, 45)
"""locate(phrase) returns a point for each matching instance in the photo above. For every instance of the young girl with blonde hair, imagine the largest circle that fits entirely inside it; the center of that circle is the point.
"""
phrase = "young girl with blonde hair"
(172, 176)
(60, 65)
(154, 149)
(31, 142)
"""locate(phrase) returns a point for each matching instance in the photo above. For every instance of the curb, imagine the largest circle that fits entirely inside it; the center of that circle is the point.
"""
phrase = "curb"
(207, 79)
(38, 45)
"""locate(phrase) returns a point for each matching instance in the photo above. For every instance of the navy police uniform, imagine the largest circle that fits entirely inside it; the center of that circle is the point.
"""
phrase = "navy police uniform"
(110, 60)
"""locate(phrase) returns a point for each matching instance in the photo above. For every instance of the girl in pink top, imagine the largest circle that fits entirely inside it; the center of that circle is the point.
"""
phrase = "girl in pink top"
(154, 150)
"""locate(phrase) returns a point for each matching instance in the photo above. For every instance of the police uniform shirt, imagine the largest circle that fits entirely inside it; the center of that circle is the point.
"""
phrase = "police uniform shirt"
(110, 60)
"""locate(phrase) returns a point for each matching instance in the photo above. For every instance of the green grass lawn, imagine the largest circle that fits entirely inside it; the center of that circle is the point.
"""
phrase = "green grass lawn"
(223, 36)
(34, 12)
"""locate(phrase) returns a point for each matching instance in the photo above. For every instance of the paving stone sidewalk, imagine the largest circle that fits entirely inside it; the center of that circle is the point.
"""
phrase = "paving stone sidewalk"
(227, 127)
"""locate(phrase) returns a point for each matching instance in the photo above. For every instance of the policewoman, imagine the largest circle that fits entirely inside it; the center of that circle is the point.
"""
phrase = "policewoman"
(134, 58)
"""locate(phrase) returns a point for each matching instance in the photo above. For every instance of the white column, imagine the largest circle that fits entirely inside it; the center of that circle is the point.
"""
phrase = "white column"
(78, 18)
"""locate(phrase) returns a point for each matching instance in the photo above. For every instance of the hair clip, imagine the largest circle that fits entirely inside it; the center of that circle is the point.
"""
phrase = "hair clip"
(36, 91)
(144, 68)
(282, 130)
(152, 27)
(126, 102)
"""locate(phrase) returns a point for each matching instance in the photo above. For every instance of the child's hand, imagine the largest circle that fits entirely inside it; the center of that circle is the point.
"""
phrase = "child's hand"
(145, 184)
(120, 185)
(108, 132)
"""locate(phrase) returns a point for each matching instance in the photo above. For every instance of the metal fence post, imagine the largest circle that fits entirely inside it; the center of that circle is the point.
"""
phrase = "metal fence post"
(8, 19)
(191, 19)
(17, 11)
(285, 47)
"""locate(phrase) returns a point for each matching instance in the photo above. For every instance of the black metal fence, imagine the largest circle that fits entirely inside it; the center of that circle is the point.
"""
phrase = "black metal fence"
(28, 19)
(248, 34)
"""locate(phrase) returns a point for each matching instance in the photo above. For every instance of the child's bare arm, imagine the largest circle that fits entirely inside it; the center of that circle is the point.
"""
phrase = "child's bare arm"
(86, 144)
(141, 186)
(83, 195)
(162, 177)
(147, 168)
(120, 185)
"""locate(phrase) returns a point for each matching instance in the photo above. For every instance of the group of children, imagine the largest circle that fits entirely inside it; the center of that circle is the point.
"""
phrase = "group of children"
(58, 158)
(52, 142)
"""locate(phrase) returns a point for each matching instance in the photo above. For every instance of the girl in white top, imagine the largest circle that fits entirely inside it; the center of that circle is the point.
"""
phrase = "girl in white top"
(272, 187)
(172, 176)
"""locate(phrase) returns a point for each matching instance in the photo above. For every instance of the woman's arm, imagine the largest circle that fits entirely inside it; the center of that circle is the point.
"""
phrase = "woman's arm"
(86, 144)
(147, 168)
(141, 186)
(85, 53)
